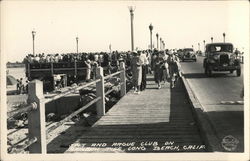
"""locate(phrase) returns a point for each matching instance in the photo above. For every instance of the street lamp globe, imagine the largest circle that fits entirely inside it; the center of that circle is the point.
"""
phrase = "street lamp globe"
(33, 33)
(150, 27)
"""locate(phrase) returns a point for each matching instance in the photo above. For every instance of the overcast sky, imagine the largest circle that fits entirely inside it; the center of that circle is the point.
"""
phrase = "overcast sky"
(98, 24)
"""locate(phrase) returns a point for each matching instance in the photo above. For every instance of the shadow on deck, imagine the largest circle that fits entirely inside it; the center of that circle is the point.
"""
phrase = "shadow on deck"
(157, 120)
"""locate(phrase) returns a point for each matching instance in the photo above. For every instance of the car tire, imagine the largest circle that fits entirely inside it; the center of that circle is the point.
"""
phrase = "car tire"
(195, 60)
(208, 71)
(231, 71)
(238, 72)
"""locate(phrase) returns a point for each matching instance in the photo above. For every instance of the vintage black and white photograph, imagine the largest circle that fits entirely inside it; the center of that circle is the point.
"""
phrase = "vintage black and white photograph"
(134, 77)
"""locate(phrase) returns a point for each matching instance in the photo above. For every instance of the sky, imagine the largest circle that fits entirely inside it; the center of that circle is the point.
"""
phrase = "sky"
(100, 23)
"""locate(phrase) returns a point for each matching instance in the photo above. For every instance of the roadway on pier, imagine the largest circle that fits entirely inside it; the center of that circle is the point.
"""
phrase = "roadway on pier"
(215, 95)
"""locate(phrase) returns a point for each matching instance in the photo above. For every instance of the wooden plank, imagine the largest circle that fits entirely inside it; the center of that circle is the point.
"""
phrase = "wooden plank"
(151, 116)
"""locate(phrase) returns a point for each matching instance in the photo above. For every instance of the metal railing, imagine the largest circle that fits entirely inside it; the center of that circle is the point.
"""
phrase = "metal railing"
(36, 140)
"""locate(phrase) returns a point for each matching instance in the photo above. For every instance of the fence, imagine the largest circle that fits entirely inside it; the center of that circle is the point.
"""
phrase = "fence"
(37, 129)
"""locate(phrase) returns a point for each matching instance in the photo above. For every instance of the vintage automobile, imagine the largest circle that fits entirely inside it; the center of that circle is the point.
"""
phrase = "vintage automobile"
(220, 57)
(188, 54)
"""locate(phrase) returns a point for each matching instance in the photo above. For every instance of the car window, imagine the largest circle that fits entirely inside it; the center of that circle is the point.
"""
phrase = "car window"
(221, 48)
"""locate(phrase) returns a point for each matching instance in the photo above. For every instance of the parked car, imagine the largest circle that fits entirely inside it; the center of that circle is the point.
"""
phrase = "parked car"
(179, 53)
(188, 54)
(220, 57)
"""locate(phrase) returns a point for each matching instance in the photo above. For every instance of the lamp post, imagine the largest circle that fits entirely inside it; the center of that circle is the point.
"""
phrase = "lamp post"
(131, 10)
(199, 46)
(204, 44)
(110, 48)
(163, 45)
(77, 44)
(192, 46)
(160, 43)
(151, 28)
(212, 39)
(33, 37)
(224, 35)
(157, 36)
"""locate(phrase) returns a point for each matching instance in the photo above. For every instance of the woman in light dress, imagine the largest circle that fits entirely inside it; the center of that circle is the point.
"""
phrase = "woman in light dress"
(136, 67)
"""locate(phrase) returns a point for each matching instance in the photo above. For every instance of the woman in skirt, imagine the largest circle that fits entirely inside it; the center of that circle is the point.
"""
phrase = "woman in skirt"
(136, 67)
(158, 70)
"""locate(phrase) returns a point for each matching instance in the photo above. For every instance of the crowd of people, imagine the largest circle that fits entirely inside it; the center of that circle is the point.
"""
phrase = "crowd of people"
(163, 64)
(100, 57)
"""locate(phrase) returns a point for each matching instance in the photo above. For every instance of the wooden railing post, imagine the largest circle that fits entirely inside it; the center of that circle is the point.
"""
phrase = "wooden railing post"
(123, 79)
(36, 117)
(100, 104)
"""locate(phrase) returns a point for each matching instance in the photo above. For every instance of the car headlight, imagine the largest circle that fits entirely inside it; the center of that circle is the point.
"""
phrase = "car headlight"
(216, 57)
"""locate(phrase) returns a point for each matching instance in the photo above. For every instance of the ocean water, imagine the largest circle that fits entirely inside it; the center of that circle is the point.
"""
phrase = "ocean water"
(17, 72)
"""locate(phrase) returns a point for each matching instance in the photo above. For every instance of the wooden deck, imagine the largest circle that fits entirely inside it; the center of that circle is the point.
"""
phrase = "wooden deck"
(157, 120)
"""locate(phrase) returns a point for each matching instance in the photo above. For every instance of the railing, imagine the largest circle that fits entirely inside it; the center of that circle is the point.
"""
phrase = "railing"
(53, 67)
(37, 129)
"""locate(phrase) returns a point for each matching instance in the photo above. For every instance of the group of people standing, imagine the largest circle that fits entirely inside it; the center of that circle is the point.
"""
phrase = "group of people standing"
(164, 64)
(22, 87)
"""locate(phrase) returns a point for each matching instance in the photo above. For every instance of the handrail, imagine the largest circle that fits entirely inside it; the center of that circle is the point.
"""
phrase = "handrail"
(37, 117)
(111, 90)
(27, 108)
(70, 91)
(12, 132)
(27, 143)
(111, 75)
(56, 69)
(53, 127)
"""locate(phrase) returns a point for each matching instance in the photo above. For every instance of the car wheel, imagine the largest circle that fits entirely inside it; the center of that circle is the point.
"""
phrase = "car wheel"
(205, 71)
(195, 60)
(238, 72)
(208, 71)
(231, 71)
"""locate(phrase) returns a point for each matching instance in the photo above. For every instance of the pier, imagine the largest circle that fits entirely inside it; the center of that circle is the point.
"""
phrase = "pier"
(154, 121)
